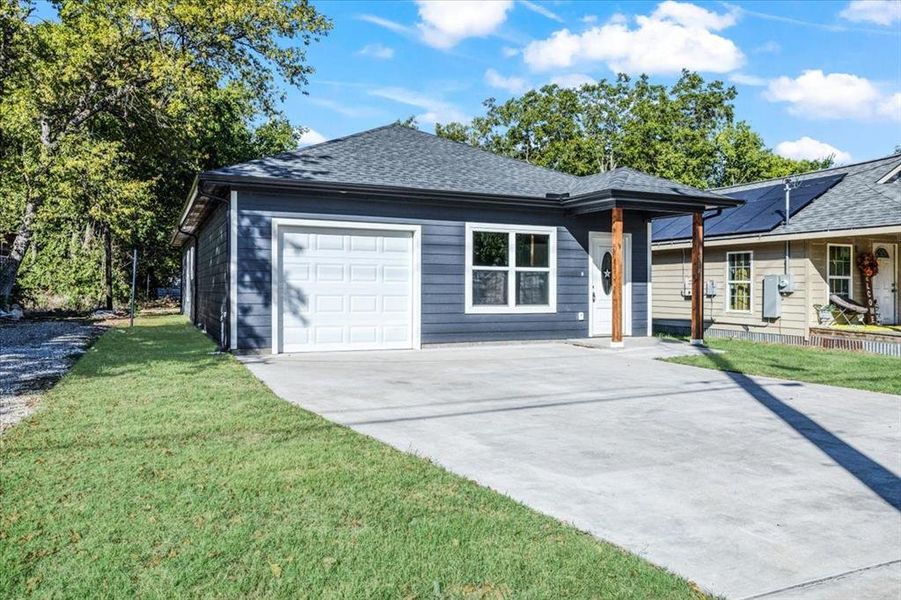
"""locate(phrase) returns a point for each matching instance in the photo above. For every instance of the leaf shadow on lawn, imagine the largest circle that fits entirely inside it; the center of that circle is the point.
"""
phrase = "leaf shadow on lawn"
(876, 477)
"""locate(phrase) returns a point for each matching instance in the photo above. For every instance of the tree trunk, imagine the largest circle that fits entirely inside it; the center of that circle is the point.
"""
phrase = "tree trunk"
(108, 268)
(9, 267)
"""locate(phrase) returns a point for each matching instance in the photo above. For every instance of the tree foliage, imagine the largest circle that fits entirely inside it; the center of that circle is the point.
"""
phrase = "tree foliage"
(108, 110)
(686, 132)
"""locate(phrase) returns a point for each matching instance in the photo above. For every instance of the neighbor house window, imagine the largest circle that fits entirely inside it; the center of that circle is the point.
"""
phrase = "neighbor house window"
(738, 281)
(839, 269)
(510, 268)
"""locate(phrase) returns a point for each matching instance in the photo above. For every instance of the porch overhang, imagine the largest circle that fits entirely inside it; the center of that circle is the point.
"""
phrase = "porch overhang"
(658, 203)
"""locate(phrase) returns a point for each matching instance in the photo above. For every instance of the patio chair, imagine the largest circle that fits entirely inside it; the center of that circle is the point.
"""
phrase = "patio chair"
(848, 309)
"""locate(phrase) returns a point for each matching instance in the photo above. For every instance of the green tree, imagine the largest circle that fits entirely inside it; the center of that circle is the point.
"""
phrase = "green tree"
(686, 132)
(133, 96)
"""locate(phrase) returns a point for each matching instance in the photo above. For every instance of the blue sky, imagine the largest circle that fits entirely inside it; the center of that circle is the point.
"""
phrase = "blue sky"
(813, 77)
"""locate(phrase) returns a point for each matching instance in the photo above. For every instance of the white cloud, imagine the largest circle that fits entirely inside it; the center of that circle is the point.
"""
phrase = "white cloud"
(770, 47)
(436, 109)
(589, 19)
(691, 15)
(572, 80)
(541, 10)
(807, 148)
(355, 112)
(514, 85)
(880, 12)
(444, 23)
(675, 36)
(745, 79)
(310, 137)
(509, 52)
(377, 51)
(815, 94)
(386, 23)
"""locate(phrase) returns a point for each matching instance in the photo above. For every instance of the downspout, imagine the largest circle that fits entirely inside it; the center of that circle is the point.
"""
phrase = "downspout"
(785, 222)
(715, 213)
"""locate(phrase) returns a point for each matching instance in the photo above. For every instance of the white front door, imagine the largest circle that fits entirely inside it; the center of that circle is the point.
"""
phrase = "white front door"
(885, 288)
(600, 284)
(345, 289)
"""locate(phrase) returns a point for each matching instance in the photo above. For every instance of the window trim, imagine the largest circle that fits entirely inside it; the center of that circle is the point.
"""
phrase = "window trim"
(728, 295)
(830, 276)
(511, 269)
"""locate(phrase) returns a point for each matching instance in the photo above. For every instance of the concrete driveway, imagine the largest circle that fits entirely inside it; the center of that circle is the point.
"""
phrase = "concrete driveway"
(751, 487)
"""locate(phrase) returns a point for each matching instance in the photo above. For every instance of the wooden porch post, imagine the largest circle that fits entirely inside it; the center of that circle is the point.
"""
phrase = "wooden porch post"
(697, 279)
(616, 217)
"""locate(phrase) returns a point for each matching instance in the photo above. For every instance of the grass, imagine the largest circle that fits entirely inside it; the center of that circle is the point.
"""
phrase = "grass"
(831, 367)
(158, 469)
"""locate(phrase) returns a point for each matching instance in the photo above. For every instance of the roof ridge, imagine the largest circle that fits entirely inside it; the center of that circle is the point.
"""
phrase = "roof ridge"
(835, 168)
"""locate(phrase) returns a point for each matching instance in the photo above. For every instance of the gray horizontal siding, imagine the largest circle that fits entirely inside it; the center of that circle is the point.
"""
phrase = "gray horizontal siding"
(212, 273)
(443, 266)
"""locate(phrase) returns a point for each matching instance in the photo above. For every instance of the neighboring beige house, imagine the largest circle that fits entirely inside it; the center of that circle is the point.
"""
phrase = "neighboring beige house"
(835, 214)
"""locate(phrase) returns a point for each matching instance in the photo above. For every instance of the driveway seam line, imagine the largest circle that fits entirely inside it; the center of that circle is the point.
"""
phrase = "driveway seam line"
(822, 580)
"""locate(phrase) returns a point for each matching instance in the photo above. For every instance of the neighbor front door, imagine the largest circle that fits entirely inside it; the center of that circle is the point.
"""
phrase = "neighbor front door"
(600, 288)
(885, 288)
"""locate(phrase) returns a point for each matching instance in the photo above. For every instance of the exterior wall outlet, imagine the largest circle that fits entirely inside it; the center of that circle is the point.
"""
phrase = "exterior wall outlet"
(581, 316)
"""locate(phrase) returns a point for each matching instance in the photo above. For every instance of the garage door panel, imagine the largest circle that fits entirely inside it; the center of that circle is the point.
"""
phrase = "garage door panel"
(364, 273)
(346, 289)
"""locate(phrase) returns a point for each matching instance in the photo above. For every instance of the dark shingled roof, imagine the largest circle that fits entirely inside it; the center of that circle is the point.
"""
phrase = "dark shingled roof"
(396, 156)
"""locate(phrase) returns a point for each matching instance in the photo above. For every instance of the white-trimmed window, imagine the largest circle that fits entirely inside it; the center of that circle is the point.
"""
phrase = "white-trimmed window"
(739, 281)
(511, 269)
(838, 269)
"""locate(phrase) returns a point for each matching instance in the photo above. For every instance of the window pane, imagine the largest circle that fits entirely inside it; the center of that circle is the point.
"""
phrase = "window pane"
(739, 296)
(532, 288)
(489, 288)
(532, 250)
(840, 261)
(740, 267)
(490, 248)
(840, 287)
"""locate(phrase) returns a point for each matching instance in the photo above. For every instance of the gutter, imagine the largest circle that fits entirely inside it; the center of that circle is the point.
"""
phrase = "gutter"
(765, 237)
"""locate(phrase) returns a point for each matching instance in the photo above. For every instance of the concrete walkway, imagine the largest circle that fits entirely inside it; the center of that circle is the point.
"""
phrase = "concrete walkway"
(751, 487)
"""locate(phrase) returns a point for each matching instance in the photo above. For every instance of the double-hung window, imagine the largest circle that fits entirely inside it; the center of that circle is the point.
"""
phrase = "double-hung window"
(738, 281)
(839, 269)
(510, 269)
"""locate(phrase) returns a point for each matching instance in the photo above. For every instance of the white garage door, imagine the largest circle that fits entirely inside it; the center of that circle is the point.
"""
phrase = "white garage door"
(345, 289)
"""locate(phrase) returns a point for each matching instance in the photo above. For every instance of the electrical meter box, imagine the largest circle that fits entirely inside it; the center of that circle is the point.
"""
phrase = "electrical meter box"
(786, 284)
(710, 288)
(772, 296)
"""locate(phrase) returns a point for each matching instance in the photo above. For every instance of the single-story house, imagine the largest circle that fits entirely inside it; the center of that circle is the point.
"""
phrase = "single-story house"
(394, 238)
(764, 274)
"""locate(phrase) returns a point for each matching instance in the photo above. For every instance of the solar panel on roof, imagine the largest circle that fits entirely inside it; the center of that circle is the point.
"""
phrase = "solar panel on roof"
(764, 209)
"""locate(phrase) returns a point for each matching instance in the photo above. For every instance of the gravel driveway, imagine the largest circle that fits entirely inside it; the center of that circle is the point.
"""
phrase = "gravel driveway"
(33, 356)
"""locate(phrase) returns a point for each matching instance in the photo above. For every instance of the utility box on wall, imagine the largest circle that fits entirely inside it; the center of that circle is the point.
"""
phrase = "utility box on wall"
(772, 299)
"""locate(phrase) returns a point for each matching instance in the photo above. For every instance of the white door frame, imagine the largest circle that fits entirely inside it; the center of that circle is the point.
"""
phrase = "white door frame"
(897, 307)
(627, 279)
(415, 230)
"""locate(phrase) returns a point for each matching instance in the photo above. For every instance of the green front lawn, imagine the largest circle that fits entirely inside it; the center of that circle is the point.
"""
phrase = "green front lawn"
(159, 469)
(832, 367)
